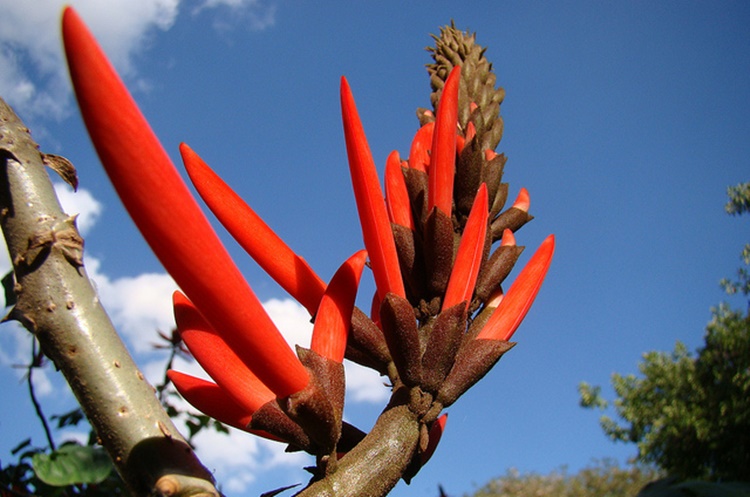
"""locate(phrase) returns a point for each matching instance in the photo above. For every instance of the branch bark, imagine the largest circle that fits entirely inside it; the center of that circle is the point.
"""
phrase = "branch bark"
(57, 303)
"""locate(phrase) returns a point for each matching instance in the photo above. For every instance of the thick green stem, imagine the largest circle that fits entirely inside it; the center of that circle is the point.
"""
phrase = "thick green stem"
(57, 303)
(377, 463)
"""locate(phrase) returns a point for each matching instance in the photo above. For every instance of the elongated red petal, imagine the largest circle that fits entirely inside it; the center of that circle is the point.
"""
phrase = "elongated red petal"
(167, 215)
(275, 257)
(419, 154)
(469, 255)
(396, 194)
(210, 399)
(334, 315)
(376, 228)
(518, 299)
(443, 158)
(217, 358)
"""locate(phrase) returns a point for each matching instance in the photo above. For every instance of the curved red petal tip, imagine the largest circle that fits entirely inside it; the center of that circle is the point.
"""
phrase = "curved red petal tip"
(435, 434)
(517, 301)
(465, 270)
(335, 313)
(443, 158)
(523, 201)
(489, 154)
(419, 153)
(509, 239)
(217, 358)
(210, 399)
(252, 233)
(168, 216)
(396, 194)
(376, 228)
(495, 298)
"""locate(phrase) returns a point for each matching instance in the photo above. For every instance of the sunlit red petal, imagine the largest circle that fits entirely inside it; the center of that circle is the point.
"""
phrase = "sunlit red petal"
(518, 299)
(419, 154)
(396, 194)
(443, 157)
(220, 362)
(334, 315)
(210, 399)
(523, 201)
(469, 256)
(275, 257)
(509, 239)
(376, 228)
(168, 216)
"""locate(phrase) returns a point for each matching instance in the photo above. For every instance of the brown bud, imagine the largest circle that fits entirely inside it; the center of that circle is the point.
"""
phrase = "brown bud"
(400, 329)
(444, 339)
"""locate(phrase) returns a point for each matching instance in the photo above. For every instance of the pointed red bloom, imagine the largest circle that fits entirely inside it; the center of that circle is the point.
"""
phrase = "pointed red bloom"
(443, 150)
(469, 256)
(396, 194)
(517, 301)
(334, 315)
(210, 399)
(436, 433)
(220, 362)
(167, 215)
(275, 257)
(419, 154)
(376, 229)
(523, 201)
(509, 239)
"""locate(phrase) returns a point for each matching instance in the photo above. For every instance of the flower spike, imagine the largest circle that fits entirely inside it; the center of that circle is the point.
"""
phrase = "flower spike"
(376, 229)
(275, 257)
(334, 315)
(168, 216)
(221, 363)
(469, 256)
(516, 302)
(443, 158)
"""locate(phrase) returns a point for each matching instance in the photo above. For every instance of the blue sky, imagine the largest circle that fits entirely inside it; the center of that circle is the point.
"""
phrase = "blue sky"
(625, 121)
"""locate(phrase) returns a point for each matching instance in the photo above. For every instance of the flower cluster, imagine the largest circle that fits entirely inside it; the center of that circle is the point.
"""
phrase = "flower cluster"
(439, 318)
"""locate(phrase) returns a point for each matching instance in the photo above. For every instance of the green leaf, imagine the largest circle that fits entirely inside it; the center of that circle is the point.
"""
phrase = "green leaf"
(72, 464)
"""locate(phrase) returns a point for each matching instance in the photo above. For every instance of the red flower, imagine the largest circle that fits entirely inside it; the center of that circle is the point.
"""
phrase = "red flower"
(168, 216)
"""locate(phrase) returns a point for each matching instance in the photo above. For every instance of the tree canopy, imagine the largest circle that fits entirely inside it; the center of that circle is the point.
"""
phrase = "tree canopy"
(690, 413)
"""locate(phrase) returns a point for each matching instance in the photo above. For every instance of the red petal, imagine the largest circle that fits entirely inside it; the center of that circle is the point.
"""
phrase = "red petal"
(334, 315)
(396, 194)
(376, 228)
(518, 299)
(167, 215)
(469, 256)
(523, 201)
(436, 433)
(508, 238)
(443, 158)
(275, 257)
(419, 155)
(220, 362)
(210, 399)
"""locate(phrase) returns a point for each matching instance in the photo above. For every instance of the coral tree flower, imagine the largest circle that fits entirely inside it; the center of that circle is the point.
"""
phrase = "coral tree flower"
(376, 228)
(169, 218)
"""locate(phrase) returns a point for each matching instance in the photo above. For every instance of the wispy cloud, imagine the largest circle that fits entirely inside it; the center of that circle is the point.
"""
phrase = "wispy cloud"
(34, 80)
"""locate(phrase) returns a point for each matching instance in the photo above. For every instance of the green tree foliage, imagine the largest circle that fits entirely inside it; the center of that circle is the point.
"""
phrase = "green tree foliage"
(602, 479)
(690, 413)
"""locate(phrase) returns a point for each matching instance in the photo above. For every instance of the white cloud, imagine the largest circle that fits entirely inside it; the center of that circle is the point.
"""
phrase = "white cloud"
(34, 79)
